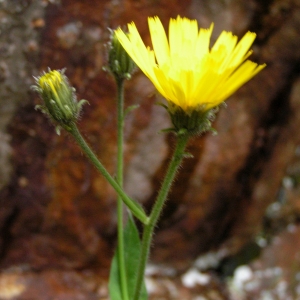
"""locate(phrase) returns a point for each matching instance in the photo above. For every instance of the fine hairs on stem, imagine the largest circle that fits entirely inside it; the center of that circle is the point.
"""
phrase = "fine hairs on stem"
(120, 209)
(136, 210)
(148, 230)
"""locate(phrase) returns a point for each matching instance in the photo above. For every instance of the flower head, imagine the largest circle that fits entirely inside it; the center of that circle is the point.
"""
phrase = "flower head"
(59, 99)
(184, 69)
(120, 63)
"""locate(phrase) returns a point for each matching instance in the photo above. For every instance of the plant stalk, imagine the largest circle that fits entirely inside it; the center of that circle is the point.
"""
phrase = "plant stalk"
(175, 162)
(136, 210)
(120, 209)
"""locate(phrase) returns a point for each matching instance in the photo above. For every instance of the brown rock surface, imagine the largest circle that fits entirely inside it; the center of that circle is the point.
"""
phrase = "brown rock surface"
(58, 214)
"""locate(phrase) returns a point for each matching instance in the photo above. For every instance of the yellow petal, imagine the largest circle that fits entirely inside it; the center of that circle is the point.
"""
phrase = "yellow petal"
(159, 40)
(182, 66)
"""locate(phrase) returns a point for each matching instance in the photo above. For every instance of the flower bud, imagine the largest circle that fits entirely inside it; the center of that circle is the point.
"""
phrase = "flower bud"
(119, 62)
(59, 99)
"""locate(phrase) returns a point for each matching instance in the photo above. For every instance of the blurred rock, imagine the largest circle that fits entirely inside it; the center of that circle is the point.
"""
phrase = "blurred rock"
(58, 213)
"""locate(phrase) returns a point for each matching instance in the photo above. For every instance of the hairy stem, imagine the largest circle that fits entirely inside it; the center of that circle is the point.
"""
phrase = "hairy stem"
(120, 209)
(136, 210)
(157, 209)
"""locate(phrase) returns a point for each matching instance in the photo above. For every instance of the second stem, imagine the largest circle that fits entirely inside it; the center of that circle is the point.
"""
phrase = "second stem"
(120, 209)
(157, 209)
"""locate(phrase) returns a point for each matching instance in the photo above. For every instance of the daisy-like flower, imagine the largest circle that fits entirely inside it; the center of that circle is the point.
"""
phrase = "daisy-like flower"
(189, 74)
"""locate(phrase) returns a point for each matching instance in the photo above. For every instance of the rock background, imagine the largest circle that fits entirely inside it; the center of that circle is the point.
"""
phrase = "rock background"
(58, 215)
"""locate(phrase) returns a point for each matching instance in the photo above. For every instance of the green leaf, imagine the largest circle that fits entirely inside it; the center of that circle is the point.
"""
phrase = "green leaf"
(114, 285)
(130, 109)
(132, 249)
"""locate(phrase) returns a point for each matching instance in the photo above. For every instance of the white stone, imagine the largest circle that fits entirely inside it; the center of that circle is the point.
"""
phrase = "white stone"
(193, 277)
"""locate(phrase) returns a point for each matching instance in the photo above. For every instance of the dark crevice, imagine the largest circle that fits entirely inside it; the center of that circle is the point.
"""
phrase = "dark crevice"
(247, 254)
(5, 233)
(262, 9)
(269, 16)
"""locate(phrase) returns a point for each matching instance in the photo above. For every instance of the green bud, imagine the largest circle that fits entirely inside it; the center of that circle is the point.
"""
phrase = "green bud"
(193, 122)
(119, 62)
(59, 99)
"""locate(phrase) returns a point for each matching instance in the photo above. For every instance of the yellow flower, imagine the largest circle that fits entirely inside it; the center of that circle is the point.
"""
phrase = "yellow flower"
(184, 69)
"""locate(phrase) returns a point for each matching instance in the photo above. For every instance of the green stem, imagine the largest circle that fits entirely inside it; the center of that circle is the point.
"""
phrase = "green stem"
(120, 140)
(156, 211)
(134, 207)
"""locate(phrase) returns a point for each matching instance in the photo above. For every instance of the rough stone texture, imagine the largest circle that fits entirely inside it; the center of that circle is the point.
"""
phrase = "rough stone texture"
(58, 214)
(19, 25)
